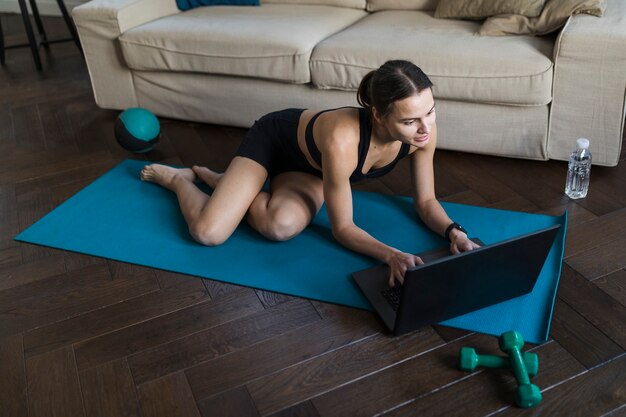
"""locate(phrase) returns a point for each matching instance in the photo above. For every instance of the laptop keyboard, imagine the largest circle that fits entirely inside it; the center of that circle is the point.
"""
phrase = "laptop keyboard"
(392, 295)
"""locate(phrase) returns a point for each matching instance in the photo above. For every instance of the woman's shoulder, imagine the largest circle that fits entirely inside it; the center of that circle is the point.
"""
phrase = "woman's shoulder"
(339, 123)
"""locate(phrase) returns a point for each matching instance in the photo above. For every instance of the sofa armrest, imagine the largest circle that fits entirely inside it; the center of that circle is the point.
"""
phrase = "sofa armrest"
(589, 88)
(99, 24)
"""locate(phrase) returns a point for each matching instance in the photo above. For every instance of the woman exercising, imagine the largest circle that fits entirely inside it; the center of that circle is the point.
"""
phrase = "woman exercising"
(312, 157)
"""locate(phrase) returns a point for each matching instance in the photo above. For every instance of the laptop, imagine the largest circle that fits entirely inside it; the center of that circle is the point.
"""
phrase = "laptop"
(447, 285)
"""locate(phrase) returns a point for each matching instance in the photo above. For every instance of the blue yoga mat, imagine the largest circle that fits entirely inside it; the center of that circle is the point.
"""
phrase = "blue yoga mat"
(122, 218)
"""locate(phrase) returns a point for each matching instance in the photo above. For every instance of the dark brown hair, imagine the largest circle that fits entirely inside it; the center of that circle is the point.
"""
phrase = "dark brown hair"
(394, 80)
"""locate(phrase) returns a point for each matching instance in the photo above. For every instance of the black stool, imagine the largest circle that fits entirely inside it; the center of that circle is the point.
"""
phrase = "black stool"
(43, 38)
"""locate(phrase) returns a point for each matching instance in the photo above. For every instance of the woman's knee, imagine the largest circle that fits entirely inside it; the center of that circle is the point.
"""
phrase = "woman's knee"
(282, 227)
(208, 235)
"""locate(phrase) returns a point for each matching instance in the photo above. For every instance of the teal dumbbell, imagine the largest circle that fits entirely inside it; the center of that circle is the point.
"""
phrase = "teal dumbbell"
(470, 360)
(527, 395)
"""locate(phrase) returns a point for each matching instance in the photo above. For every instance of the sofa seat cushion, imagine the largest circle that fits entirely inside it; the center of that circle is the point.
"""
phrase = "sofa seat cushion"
(272, 41)
(465, 67)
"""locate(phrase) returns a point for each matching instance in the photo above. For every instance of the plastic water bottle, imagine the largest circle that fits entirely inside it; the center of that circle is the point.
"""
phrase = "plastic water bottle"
(578, 170)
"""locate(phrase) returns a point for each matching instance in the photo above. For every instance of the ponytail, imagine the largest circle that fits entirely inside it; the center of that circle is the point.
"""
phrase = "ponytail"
(363, 95)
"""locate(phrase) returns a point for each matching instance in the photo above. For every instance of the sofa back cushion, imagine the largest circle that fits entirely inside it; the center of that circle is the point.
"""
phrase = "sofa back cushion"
(352, 4)
(514, 70)
(378, 5)
(272, 41)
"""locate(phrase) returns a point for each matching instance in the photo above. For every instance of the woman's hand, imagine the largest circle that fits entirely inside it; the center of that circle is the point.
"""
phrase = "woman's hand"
(398, 263)
(460, 243)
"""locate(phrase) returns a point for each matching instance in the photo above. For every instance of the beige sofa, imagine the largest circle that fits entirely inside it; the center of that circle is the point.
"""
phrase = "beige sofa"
(517, 96)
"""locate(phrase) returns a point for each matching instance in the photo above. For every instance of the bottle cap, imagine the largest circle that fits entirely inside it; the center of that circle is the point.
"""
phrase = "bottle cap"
(582, 143)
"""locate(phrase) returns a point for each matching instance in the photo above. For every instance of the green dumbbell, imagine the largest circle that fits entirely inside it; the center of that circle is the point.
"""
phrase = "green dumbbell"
(527, 395)
(470, 360)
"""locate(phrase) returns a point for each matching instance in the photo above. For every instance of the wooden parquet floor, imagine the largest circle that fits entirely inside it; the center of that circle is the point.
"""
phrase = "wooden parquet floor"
(83, 336)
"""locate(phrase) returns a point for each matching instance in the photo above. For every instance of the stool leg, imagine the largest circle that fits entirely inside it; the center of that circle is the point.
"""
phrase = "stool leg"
(1, 44)
(70, 24)
(29, 32)
(42, 32)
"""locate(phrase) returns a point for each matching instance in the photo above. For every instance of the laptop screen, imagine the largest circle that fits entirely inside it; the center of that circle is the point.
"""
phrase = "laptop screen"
(459, 284)
(453, 285)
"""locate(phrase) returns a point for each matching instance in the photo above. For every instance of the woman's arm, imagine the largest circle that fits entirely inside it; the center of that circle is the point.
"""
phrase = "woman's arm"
(339, 159)
(428, 208)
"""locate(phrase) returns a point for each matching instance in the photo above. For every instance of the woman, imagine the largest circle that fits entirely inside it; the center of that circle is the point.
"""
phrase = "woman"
(312, 157)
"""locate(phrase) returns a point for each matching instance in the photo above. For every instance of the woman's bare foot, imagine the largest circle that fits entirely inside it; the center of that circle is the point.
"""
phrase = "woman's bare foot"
(211, 178)
(165, 176)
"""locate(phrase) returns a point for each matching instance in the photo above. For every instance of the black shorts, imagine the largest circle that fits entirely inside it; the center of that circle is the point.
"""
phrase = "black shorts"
(273, 142)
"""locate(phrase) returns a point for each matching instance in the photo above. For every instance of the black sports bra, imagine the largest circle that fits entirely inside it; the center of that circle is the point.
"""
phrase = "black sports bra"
(365, 127)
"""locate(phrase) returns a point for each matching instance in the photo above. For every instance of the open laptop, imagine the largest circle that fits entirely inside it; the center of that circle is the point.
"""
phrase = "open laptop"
(447, 285)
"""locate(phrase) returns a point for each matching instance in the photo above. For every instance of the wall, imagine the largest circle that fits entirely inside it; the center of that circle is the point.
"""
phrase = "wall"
(46, 7)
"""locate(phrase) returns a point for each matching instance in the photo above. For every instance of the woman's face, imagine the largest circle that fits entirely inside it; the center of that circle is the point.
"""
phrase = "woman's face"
(411, 119)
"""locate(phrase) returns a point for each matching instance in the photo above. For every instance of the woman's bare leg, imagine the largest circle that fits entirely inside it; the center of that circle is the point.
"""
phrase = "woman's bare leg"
(180, 181)
(212, 220)
(295, 199)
